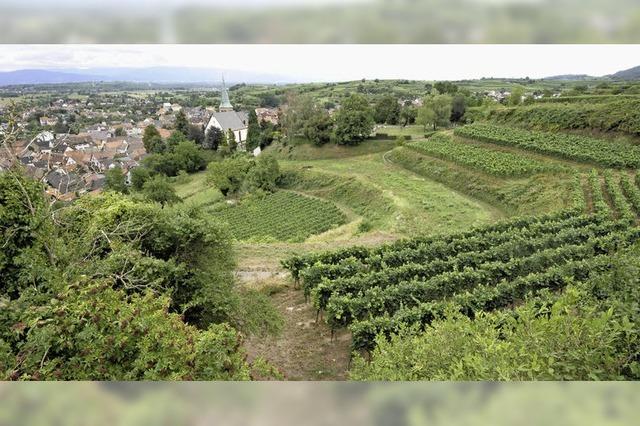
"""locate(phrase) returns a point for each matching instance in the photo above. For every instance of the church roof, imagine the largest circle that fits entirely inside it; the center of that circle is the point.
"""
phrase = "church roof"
(234, 120)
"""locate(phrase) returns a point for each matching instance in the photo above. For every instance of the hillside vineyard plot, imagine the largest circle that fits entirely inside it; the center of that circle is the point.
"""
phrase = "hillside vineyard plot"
(572, 147)
(281, 216)
(486, 160)
(412, 282)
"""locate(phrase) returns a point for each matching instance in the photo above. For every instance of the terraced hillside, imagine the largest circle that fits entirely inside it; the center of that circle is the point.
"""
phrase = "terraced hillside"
(414, 281)
(591, 214)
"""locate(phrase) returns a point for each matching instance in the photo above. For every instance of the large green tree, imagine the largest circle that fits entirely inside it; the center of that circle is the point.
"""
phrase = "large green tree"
(353, 121)
(319, 128)
(435, 111)
(159, 189)
(150, 138)
(213, 138)
(182, 124)
(387, 110)
(229, 174)
(253, 132)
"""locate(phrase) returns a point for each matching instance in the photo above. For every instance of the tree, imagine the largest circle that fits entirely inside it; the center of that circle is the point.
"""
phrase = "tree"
(174, 139)
(159, 189)
(387, 110)
(232, 143)
(458, 108)
(267, 134)
(25, 225)
(269, 100)
(196, 134)
(115, 180)
(156, 146)
(214, 138)
(139, 175)
(182, 124)
(318, 129)
(253, 132)
(229, 174)
(165, 164)
(114, 289)
(516, 96)
(264, 174)
(435, 111)
(408, 115)
(189, 157)
(150, 133)
(353, 121)
(120, 132)
(301, 109)
(445, 87)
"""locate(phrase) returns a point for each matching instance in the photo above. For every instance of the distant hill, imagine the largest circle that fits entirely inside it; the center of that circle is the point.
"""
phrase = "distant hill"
(630, 74)
(570, 77)
(137, 75)
(44, 77)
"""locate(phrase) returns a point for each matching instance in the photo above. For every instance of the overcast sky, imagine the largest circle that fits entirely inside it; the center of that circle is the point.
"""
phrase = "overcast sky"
(340, 62)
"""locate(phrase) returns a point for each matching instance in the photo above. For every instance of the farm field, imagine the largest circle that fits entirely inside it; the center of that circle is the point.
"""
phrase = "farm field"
(262, 217)
(380, 240)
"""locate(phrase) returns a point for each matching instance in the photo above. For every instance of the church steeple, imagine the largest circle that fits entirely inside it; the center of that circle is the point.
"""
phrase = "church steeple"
(225, 104)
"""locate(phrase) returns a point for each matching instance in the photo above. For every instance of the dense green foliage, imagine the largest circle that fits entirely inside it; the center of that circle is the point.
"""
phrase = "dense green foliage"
(113, 288)
(240, 173)
(281, 216)
(573, 147)
(353, 121)
(614, 114)
(529, 343)
(476, 157)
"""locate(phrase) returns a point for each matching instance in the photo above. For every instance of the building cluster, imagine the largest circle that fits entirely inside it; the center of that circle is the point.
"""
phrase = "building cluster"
(73, 164)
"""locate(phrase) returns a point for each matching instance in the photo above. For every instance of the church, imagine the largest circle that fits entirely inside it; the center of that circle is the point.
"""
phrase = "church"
(227, 119)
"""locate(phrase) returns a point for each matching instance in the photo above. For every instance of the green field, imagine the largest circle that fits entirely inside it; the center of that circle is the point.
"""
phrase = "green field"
(281, 216)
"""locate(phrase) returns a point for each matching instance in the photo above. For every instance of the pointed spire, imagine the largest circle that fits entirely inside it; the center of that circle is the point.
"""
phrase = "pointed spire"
(225, 104)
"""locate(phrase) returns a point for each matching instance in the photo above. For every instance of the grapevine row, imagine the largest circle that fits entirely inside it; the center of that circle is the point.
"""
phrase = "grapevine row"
(573, 147)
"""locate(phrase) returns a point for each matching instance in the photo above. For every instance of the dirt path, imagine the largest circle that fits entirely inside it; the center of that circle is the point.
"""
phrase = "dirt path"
(305, 349)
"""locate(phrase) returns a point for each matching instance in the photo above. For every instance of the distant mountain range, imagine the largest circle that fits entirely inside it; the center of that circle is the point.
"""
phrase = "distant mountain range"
(630, 74)
(627, 75)
(137, 75)
(198, 75)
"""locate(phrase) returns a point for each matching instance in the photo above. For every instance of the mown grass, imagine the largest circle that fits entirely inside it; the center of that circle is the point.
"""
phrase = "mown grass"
(310, 152)
(404, 202)
(531, 195)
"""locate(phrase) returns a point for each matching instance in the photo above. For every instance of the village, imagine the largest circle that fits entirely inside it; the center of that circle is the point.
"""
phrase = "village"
(74, 163)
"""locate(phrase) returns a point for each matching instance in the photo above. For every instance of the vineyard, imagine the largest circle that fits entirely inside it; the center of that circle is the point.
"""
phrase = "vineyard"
(410, 283)
(486, 160)
(603, 113)
(572, 147)
(281, 216)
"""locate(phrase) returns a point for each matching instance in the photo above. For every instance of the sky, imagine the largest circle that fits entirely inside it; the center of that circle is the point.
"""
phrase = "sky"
(339, 62)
